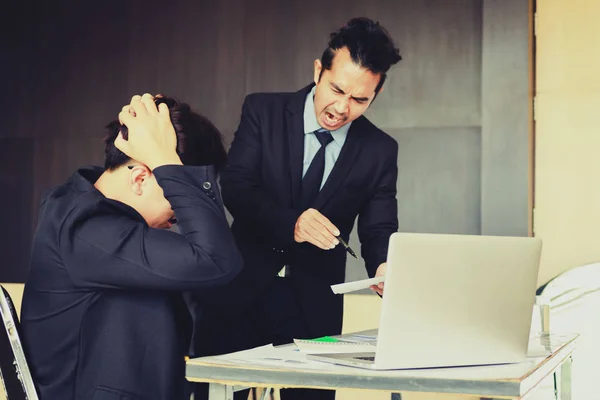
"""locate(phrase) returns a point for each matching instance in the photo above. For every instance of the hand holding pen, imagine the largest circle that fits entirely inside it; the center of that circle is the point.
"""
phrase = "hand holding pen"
(315, 228)
(348, 249)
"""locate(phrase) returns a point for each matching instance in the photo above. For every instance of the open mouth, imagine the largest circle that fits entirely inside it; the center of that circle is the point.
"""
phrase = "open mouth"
(332, 119)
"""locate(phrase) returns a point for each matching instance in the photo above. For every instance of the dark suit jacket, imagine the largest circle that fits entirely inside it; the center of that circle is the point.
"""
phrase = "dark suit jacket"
(102, 315)
(261, 189)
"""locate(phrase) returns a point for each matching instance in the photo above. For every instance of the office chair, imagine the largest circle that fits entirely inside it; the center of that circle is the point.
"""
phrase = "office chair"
(569, 303)
(15, 378)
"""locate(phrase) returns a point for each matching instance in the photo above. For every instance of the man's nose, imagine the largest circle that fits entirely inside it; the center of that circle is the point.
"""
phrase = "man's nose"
(341, 106)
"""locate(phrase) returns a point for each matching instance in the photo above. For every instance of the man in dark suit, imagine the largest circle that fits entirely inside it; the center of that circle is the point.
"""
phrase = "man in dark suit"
(302, 167)
(103, 317)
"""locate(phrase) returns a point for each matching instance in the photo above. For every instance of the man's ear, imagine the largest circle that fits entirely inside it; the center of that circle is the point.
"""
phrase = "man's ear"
(138, 177)
(317, 72)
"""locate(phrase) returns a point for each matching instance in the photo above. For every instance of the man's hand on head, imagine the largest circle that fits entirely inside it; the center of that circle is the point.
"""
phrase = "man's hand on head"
(315, 228)
(151, 136)
(129, 109)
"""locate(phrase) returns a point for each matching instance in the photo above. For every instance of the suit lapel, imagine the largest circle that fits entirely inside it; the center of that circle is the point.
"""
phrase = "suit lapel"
(295, 131)
(345, 162)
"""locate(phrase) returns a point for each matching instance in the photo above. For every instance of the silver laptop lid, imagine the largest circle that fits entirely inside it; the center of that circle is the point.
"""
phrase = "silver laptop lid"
(457, 300)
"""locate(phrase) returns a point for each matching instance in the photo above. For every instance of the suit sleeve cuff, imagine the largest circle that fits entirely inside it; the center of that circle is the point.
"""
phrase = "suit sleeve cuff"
(202, 177)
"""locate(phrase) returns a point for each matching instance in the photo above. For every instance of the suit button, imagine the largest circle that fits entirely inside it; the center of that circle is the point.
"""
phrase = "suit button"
(206, 185)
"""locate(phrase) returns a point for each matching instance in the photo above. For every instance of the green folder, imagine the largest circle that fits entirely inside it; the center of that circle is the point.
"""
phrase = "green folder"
(328, 339)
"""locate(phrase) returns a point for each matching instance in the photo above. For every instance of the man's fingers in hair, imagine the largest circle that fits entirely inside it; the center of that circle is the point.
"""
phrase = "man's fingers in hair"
(138, 106)
(134, 98)
(128, 110)
(148, 101)
(163, 111)
(121, 143)
(125, 117)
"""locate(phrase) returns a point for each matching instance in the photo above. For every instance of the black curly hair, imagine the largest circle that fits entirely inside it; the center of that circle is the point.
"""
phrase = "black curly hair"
(199, 142)
(370, 46)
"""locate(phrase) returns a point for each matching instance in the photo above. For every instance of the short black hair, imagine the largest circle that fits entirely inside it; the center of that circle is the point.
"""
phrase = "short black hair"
(199, 142)
(370, 46)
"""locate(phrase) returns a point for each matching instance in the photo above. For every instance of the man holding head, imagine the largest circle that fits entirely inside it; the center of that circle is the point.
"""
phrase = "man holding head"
(103, 315)
(302, 167)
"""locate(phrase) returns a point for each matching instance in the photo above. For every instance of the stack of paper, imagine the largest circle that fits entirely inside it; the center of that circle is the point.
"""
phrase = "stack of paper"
(361, 342)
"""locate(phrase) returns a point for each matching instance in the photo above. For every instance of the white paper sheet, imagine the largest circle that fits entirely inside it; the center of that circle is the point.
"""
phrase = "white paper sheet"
(356, 285)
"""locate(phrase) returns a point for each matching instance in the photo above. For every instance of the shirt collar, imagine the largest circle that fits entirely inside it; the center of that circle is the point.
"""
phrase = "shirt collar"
(310, 119)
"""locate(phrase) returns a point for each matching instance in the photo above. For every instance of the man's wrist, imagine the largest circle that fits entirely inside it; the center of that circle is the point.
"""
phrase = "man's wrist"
(168, 160)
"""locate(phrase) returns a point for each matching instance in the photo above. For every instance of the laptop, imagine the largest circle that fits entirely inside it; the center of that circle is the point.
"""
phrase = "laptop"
(453, 300)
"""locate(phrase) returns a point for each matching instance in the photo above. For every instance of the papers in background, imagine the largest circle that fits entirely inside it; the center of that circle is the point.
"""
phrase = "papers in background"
(356, 285)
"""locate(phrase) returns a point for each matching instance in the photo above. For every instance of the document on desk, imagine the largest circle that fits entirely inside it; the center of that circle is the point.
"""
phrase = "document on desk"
(356, 285)
(359, 342)
(281, 356)
(543, 344)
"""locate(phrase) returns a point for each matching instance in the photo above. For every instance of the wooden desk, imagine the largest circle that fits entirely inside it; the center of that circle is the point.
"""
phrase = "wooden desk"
(511, 381)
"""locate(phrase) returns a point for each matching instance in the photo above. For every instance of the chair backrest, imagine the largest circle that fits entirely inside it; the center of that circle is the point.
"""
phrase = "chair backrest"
(15, 377)
(571, 304)
(567, 291)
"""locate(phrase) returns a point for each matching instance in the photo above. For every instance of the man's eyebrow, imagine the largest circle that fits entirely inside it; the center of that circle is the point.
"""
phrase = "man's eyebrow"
(336, 87)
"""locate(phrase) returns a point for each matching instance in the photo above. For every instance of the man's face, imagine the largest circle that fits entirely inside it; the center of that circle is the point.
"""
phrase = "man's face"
(344, 92)
(157, 210)
(149, 199)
